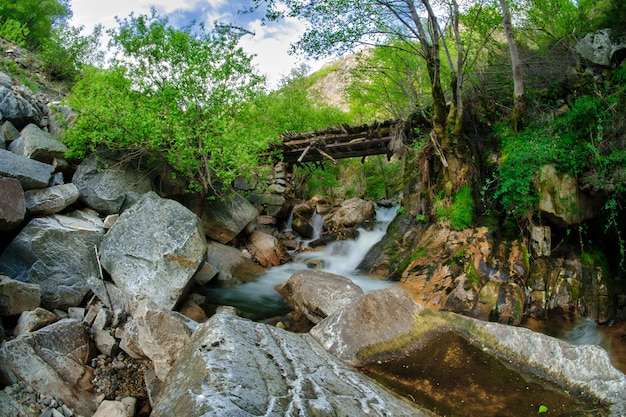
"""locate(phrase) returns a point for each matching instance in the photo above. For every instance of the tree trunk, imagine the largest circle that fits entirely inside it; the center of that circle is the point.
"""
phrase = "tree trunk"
(516, 64)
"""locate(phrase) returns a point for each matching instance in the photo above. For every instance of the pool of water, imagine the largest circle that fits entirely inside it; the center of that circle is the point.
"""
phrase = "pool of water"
(455, 378)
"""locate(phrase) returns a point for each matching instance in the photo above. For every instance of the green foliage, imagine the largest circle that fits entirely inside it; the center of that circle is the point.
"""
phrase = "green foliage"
(460, 213)
(14, 31)
(388, 82)
(67, 51)
(34, 19)
(174, 94)
(564, 142)
(609, 14)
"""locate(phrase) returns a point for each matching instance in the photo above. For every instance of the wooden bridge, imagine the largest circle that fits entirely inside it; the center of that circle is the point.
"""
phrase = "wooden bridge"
(342, 142)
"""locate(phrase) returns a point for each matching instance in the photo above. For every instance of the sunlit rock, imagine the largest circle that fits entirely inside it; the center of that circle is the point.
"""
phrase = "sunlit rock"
(267, 250)
(153, 250)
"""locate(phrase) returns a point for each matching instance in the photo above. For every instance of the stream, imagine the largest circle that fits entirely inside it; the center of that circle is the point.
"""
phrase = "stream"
(258, 300)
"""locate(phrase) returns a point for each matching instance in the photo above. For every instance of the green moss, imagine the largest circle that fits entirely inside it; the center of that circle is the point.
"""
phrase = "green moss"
(460, 214)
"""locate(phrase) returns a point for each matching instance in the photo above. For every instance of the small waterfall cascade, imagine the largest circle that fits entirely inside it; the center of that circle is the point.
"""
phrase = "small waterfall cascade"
(259, 299)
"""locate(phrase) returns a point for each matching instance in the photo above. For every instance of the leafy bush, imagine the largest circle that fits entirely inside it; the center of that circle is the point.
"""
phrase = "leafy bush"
(14, 31)
(175, 94)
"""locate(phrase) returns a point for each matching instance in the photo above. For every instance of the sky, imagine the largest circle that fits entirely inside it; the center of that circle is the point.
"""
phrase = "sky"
(270, 42)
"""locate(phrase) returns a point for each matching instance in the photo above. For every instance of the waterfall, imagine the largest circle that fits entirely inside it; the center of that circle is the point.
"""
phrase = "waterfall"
(260, 300)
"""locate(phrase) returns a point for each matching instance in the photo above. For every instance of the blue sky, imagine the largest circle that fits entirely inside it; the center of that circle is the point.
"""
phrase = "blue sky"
(270, 43)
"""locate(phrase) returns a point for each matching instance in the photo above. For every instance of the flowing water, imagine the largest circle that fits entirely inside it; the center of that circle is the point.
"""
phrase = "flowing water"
(259, 300)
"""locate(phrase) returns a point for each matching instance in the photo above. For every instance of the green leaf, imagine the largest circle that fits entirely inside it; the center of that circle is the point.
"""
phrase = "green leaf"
(542, 409)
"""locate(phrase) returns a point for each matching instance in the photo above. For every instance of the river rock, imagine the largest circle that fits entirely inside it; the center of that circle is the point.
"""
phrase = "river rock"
(223, 219)
(376, 318)
(159, 335)
(267, 250)
(12, 206)
(30, 321)
(234, 268)
(123, 408)
(352, 212)
(30, 173)
(103, 183)
(236, 367)
(16, 107)
(302, 222)
(317, 294)
(36, 144)
(17, 297)
(52, 360)
(56, 252)
(50, 200)
(153, 250)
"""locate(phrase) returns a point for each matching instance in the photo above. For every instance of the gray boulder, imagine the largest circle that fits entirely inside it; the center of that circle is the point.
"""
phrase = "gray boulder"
(317, 294)
(17, 297)
(5, 80)
(8, 133)
(31, 174)
(224, 219)
(48, 201)
(236, 367)
(12, 206)
(598, 48)
(153, 250)
(16, 107)
(56, 252)
(36, 144)
(53, 360)
(103, 183)
(234, 268)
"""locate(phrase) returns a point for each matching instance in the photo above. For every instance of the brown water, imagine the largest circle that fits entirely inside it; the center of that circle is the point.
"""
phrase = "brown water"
(454, 378)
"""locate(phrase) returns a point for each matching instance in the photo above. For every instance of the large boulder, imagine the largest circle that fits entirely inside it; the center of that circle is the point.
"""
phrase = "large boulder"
(58, 253)
(47, 201)
(376, 318)
(104, 183)
(236, 367)
(12, 207)
(36, 144)
(351, 213)
(561, 200)
(267, 250)
(18, 108)
(317, 294)
(224, 219)
(17, 297)
(598, 47)
(234, 268)
(53, 360)
(153, 250)
(30, 173)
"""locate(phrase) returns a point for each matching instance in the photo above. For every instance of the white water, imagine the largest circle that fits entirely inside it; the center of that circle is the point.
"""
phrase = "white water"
(259, 298)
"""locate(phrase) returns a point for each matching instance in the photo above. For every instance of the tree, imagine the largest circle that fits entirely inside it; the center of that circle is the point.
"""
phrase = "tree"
(337, 26)
(516, 64)
(36, 17)
(174, 94)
